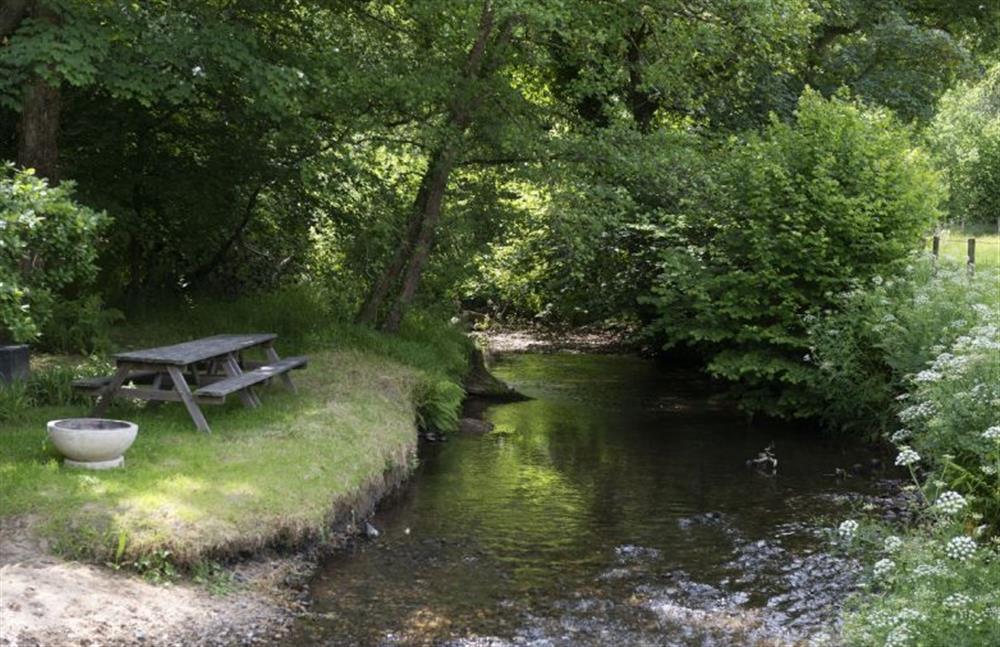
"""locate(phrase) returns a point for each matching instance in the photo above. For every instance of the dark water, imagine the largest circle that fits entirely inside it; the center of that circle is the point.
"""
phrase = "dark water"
(615, 508)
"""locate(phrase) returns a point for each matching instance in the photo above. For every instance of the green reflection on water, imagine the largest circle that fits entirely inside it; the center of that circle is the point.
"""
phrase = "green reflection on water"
(612, 452)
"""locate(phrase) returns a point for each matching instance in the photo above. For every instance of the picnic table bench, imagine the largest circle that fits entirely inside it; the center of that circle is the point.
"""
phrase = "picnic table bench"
(214, 365)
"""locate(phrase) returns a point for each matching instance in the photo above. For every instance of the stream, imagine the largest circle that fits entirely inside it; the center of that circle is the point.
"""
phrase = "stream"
(613, 508)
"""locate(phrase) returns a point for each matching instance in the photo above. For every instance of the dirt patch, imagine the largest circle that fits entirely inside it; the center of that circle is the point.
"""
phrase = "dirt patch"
(45, 600)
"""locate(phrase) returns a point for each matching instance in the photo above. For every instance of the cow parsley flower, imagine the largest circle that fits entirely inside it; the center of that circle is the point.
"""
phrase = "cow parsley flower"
(993, 433)
(917, 412)
(892, 543)
(907, 456)
(950, 502)
(847, 529)
(960, 548)
(900, 436)
(883, 567)
(957, 601)
(899, 636)
(927, 376)
(937, 569)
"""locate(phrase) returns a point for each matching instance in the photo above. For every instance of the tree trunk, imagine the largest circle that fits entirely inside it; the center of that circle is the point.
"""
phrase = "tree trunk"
(389, 276)
(416, 248)
(435, 182)
(38, 128)
(642, 102)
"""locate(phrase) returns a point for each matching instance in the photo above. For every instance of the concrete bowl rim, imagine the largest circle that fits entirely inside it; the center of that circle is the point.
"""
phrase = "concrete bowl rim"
(112, 424)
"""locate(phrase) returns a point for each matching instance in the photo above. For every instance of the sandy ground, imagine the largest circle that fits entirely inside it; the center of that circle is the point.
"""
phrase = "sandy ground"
(45, 600)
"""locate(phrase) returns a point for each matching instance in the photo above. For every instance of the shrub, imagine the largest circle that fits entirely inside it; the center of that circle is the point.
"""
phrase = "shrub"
(881, 332)
(80, 325)
(793, 217)
(49, 386)
(47, 250)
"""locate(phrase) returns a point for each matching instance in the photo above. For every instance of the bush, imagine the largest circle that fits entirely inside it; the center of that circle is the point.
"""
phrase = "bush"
(882, 332)
(793, 217)
(47, 250)
(51, 385)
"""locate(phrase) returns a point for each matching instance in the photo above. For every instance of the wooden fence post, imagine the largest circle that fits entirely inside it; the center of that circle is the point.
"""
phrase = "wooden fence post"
(936, 245)
(971, 255)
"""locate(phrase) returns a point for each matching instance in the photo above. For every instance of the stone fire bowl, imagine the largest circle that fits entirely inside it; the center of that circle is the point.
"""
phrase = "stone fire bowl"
(92, 443)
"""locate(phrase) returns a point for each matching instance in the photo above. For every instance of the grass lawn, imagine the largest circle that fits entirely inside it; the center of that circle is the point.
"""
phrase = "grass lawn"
(262, 476)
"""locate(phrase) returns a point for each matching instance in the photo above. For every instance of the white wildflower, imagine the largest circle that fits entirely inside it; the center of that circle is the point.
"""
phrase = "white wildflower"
(883, 567)
(900, 436)
(907, 456)
(937, 569)
(847, 529)
(927, 376)
(899, 636)
(889, 318)
(988, 470)
(960, 548)
(957, 601)
(917, 412)
(877, 280)
(950, 502)
(892, 544)
(993, 433)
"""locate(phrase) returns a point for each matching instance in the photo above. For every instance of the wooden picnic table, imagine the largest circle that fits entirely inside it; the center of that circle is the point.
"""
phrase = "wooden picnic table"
(214, 365)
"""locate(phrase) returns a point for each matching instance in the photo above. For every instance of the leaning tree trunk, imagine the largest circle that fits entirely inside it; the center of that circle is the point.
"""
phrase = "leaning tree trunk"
(390, 274)
(416, 249)
(436, 182)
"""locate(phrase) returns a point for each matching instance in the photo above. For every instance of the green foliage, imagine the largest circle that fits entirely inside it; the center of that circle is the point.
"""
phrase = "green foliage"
(792, 218)
(965, 137)
(80, 325)
(50, 385)
(438, 404)
(47, 250)
(917, 593)
(921, 349)
(882, 332)
(984, 179)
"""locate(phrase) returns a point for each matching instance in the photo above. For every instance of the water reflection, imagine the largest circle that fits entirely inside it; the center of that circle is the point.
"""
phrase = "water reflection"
(613, 508)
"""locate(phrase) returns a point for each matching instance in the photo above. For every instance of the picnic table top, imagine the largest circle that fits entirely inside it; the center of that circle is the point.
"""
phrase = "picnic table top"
(196, 350)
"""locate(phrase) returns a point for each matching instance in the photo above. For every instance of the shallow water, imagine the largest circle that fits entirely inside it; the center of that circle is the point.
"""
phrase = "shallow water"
(614, 508)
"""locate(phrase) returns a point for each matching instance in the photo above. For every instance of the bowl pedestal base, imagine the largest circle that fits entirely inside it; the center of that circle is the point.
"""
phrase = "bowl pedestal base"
(96, 465)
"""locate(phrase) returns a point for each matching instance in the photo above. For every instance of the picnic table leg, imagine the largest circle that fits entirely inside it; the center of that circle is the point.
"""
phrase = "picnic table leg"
(247, 396)
(181, 386)
(157, 384)
(109, 391)
(272, 356)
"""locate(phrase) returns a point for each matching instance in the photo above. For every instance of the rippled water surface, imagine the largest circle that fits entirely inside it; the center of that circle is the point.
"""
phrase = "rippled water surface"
(614, 508)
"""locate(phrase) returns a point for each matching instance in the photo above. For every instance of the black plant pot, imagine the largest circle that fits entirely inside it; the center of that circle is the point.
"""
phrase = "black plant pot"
(13, 363)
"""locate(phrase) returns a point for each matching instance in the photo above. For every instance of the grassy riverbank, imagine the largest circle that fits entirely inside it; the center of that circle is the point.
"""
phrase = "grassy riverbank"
(274, 475)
